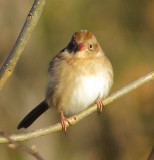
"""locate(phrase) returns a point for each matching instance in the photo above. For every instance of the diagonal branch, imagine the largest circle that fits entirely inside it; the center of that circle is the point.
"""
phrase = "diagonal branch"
(15, 145)
(14, 55)
(44, 131)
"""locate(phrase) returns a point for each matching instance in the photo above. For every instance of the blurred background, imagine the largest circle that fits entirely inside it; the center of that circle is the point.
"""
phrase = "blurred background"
(125, 30)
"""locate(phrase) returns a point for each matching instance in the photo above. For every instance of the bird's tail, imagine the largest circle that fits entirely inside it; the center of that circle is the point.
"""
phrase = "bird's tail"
(33, 115)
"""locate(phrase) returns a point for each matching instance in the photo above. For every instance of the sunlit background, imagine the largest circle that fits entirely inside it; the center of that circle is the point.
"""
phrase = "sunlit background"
(125, 30)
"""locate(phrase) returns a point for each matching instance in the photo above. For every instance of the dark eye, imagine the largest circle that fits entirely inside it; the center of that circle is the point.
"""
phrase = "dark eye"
(71, 46)
(91, 47)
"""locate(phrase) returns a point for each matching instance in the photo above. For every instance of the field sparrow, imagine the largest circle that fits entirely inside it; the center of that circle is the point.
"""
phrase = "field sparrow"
(80, 75)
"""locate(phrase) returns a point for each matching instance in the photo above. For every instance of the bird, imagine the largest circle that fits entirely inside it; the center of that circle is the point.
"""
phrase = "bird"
(79, 75)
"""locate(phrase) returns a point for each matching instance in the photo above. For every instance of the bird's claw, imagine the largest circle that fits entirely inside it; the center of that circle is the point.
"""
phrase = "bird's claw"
(99, 106)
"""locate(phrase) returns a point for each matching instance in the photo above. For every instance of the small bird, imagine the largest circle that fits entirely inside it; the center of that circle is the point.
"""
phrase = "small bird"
(79, 75)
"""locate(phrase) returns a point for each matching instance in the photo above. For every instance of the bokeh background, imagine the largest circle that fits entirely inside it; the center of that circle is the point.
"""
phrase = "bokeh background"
(125, 30)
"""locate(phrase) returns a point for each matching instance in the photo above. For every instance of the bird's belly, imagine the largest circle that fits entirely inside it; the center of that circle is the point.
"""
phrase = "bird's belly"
(87, 90)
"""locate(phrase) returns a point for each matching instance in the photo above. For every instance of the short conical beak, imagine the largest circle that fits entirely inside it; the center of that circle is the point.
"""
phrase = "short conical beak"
(80, 47)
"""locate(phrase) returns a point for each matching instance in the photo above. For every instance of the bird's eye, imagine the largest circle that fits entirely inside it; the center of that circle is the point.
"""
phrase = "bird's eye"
(71, 46)
(91, 47)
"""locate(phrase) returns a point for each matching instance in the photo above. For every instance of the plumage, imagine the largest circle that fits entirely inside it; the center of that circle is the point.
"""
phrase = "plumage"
(78, 76)
(33, 115)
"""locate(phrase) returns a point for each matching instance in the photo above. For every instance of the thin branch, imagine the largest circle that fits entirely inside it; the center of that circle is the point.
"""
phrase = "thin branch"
(15, 53)
(151, 156)
(93, 108)
(15, 145)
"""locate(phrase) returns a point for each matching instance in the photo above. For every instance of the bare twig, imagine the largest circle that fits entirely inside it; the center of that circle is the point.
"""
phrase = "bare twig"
(15, 145)
(151, 156)
(93, 108)
(14, 55)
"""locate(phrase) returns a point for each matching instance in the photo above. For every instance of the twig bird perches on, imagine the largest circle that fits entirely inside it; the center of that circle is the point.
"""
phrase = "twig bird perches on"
(57, 127)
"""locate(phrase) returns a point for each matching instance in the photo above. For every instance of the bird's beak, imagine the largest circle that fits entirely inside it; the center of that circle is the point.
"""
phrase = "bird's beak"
(80, 47)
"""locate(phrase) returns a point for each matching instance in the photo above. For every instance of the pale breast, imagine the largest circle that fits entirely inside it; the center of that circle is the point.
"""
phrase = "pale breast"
(87, 90)
(75, 85)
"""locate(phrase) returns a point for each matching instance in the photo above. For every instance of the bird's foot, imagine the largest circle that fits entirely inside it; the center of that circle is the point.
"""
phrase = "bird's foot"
(99, 106)
(64, 121)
